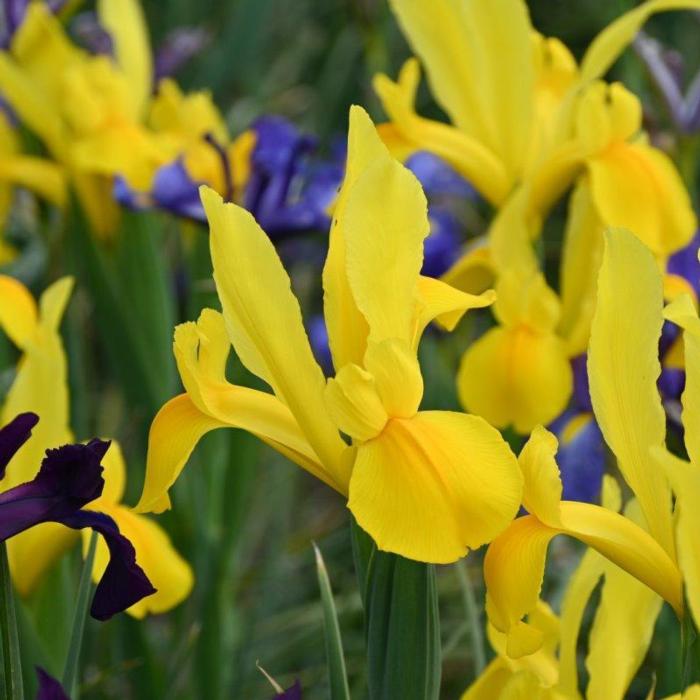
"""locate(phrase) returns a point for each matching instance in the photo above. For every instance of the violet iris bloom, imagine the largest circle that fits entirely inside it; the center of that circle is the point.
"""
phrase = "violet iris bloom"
(292, 693)
(70, 478)
(14, 11)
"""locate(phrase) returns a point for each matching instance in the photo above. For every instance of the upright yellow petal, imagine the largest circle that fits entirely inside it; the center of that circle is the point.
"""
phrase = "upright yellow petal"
(541, 483)
(114, 473)
(623, 366)
(480, 66)
(384, 225)
(18, 312)
(432, 486)
(124, 21)
(264, 323)
(347, 327)
(169, 573)
(581, 257)
(617, 36)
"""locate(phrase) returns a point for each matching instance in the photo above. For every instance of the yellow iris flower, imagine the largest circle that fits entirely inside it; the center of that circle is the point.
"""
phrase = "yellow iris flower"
(619, 639)
(428, 485)
(96, 114)
(623, 367)
(41, 387)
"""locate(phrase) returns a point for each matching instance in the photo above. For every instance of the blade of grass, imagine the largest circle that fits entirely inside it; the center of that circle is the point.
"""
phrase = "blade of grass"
(14, 688)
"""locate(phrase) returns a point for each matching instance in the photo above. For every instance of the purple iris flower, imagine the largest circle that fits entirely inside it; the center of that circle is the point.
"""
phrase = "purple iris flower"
(70, 478)
(49, 687)
(292, 693)
(14, 11)
(318, 338)
(177, 49)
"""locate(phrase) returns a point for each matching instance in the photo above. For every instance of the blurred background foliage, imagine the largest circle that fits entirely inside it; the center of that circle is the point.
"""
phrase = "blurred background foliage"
(244, 517)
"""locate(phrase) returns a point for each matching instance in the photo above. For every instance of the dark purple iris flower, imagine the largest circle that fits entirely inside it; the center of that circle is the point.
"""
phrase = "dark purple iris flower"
(49, 687)
(70, 478)
(292, 693)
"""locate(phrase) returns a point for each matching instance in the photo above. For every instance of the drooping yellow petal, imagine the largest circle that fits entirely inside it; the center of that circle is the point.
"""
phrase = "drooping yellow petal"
(637, 187)
(410, 132)
(263, 320)
(33, 552)
(384, 224)
(18, 312)
(617, 36)
(491, 682)
(347, 327)
(169, 573)
(434, 485)
(124, 21)
(39, 175)
(515, 376)
(474, 272)
(479, 62)
(523, 547)
(623, 366)
(581, 258)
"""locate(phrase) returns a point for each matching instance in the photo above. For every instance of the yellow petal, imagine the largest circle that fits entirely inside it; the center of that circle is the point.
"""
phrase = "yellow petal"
(578, 592)
(474, 272)
(623, 366)
(432, 486)
(445, 304)
(33, 552)
(264, 322)
(524, 298)
(581, 257)
(490, 683)
(620, 635)
(169, 573)
(354, 404)
(124, 21)
(397, 377)
(43, 177)
(384, 223)
(94, 193)
(523, 547)
(541, 483)
(114, 474)
(18, 312)
(469, 156)
(514, 376)
(682, 312)
(637, 187)
(614, 39)
(685, 481)
(480, 67)
(53, 302)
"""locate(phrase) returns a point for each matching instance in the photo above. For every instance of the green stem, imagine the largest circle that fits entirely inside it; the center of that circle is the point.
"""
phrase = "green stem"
(473, 617)
(14, 688)
(70, 671)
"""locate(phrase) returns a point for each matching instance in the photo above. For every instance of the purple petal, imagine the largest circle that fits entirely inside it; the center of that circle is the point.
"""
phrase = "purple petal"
(671, 382)
(441, 248)
(13, 436)
(69, 478)
(124, 582)
(177, 49)
(49, 687)
(92, 34)
(685, 264)
(318, 337)
(175, 191)
(437, 177)
(582, 394)
(292, 693)
(581, 461)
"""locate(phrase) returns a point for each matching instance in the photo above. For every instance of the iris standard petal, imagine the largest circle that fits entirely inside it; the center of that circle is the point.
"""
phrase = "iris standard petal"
(124, 21)
(384, 223)
(264, 323)
(623, 367)
(432, 486)
(13, 436)
(49, 687)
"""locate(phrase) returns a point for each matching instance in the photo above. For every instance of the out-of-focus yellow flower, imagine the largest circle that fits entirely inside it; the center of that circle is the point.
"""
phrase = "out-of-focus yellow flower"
(41, 387)
(428, 485)
(524, 116)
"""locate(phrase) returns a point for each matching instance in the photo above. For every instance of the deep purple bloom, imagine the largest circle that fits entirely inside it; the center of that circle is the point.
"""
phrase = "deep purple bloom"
(685, 264)
(292, 693)
(442, 247)
(177, 49)
(13, 436)
(49, 687)
(318, 338)
(70, 478)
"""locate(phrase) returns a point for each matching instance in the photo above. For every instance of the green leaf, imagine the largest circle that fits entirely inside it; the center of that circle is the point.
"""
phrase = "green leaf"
(402, 624)
(331, 629)
(14, 687)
